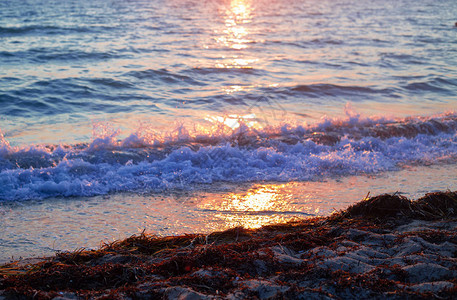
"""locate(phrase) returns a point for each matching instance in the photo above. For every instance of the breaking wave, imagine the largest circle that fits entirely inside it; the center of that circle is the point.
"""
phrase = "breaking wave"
(182, 159)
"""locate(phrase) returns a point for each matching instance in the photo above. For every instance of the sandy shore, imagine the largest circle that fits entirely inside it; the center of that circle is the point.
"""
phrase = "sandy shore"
(382, 247)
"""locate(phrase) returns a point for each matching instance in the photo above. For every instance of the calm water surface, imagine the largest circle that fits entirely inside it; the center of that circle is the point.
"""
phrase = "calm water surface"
(209, 114)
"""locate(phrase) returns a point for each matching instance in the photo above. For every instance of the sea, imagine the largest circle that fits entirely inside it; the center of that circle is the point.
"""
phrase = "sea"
(168, 117)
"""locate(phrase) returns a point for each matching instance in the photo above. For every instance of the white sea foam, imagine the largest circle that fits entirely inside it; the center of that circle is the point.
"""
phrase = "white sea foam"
(340, 147)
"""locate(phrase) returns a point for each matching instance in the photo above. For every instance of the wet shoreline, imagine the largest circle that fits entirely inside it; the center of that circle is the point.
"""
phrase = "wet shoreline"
(385, 246)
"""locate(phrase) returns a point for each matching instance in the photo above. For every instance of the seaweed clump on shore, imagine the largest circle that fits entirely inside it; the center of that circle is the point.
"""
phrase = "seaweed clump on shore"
(382, 247)
(432, 206)
(381, 207)
(436, 206)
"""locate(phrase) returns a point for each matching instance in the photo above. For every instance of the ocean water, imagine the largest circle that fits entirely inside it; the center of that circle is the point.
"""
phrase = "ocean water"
(192, 116)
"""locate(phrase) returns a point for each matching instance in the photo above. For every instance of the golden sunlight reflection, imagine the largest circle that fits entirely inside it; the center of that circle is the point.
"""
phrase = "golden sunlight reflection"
(260, 205)
(235, 121)
(235, 33)
(258, 200)
(253, 221)
(237, 88)
(230, 45)
(235, 62)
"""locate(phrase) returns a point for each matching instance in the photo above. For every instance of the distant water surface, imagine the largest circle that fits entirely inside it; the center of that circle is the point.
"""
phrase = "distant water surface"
(67, 64)
(128, 99)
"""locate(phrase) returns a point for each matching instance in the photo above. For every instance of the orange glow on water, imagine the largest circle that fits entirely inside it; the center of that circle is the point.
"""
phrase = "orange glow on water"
(237, 15)
(235, 121)
(237, 88)
(259, 205)
(256, 200)
(253, 208)
(241, 9)
(235, 34)
(236, 62)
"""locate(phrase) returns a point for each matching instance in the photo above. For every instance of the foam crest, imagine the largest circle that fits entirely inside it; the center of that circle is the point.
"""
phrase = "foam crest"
(144, 162)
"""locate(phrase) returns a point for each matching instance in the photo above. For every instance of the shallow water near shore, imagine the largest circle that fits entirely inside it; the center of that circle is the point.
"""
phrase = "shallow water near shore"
(41, 228)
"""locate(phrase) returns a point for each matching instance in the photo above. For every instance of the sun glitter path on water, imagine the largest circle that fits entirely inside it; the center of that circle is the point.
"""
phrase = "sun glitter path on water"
(235, 33)
(260, 205)
(235, 121)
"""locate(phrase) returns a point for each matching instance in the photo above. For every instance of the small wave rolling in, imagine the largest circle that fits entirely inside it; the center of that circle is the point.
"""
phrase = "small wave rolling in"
(236, 153)
(178, 116)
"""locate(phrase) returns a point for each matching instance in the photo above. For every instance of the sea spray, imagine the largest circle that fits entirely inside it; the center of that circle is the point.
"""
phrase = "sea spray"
(341, 147)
